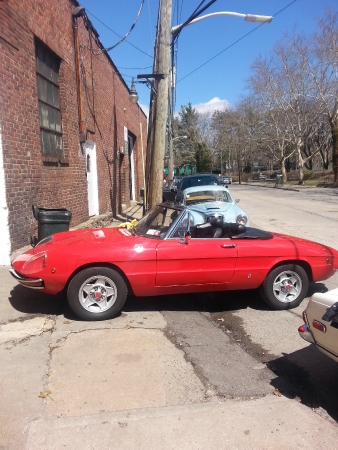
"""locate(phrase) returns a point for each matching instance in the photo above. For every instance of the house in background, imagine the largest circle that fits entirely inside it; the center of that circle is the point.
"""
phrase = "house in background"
(69, 136)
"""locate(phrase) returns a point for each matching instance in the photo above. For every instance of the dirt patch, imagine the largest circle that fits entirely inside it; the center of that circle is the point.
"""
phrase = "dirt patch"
(325, 184)
(103, 221)
(233, 327)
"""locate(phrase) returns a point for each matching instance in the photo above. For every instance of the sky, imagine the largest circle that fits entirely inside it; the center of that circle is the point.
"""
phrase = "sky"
(213, 56)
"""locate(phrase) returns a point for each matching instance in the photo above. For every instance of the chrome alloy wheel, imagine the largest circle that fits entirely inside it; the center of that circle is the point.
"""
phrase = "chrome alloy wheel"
(287, 286)
(97, 294)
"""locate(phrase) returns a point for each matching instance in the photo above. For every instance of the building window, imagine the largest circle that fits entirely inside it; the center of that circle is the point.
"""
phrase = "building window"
(47, 69)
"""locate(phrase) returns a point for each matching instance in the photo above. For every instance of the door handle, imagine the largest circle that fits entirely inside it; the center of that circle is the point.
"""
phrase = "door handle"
(228, 245)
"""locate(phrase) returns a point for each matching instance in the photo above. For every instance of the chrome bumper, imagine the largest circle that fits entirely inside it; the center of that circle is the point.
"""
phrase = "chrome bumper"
(28, 282)
(306, 334)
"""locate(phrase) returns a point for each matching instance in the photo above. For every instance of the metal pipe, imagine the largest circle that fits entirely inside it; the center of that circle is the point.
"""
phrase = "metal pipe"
(82, 135)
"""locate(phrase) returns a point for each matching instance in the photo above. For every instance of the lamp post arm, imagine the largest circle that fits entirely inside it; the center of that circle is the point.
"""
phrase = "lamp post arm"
(247, 17)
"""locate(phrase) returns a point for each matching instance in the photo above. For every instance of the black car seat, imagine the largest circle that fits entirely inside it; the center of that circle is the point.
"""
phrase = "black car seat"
(217, 232)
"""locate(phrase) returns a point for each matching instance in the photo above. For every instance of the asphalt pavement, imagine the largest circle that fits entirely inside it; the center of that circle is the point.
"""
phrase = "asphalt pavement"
(124, 384)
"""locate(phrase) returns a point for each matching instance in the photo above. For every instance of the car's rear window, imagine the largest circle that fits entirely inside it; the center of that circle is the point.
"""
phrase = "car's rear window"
(197, 181)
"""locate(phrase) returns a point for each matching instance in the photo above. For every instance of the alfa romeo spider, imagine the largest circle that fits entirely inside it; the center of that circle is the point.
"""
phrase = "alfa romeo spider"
(169, 252)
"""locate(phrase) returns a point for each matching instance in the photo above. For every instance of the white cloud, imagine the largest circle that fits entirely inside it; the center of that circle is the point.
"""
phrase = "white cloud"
(215, 104)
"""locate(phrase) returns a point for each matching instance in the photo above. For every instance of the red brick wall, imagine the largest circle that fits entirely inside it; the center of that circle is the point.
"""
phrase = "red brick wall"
(106, 110)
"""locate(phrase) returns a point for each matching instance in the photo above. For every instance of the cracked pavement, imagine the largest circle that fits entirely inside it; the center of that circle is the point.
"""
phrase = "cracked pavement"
(146, 379)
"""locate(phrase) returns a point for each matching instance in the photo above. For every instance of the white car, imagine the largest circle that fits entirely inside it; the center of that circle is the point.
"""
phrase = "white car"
(210, 201)
(321, 322)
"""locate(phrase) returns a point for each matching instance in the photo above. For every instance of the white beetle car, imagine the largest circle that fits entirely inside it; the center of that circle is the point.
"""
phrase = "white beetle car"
(210, 201)
(321, 322)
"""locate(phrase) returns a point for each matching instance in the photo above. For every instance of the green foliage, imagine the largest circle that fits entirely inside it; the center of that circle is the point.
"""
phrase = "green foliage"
(203, 158)
(308, 174)
(188, 122)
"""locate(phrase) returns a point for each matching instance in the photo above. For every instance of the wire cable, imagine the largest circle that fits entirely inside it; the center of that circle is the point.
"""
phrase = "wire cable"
(134, 68)
(130, 30)
(147, 54)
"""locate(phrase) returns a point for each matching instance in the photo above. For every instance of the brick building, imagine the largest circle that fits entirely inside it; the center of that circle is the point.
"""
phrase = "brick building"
(69, 137)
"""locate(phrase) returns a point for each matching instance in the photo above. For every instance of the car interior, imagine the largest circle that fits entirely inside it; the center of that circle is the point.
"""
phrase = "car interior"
(217, 228)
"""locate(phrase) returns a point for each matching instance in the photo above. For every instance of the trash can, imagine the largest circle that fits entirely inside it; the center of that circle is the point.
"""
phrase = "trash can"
(279, 180)
(51, 220)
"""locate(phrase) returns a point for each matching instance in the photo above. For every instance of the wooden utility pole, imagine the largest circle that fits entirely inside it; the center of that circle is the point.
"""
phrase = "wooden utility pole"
(162, 99)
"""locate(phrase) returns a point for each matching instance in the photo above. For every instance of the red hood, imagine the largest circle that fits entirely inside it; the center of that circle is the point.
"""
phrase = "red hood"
(87, 236)
(72, 241)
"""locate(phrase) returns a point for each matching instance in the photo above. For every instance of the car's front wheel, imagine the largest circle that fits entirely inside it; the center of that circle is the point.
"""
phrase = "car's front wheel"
(97, 293)
(285, 286)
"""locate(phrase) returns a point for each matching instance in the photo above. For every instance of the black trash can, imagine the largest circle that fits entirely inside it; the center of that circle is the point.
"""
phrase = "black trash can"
(51, 220)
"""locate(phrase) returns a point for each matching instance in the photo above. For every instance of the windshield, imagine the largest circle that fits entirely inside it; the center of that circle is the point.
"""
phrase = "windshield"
(157, 222)
(197, 181)
(209, 195)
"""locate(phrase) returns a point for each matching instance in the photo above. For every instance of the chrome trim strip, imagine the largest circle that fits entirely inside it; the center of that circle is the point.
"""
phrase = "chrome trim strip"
(27, 282)
(327, 350)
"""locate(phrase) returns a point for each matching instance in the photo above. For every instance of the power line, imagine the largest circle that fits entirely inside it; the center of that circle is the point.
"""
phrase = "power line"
(231, 45)
(87, 10)
(130, 30)
(134, 68)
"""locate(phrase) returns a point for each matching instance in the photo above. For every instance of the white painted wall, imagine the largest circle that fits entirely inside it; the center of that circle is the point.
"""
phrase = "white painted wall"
(5, 243)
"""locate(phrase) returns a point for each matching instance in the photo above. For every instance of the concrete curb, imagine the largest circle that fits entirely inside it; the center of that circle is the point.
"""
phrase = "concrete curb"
(268, 423)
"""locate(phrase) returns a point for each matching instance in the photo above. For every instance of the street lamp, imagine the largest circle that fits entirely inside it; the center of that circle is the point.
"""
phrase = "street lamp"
(246, 17)
(133, 96)
(180, 137)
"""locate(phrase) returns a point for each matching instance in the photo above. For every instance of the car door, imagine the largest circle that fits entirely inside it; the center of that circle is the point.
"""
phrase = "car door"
(207, 261)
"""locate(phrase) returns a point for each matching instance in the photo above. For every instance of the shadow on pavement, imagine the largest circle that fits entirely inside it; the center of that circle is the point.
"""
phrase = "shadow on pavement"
(207, 301)
(35, 302)
(31, 301)
(308, 376)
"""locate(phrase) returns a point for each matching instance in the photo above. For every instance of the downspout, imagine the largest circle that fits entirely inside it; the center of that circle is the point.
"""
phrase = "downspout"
(79, 11)
(5, 241)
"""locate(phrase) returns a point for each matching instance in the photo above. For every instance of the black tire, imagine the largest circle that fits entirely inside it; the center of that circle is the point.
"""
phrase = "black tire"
(97, 293)
(285, 287)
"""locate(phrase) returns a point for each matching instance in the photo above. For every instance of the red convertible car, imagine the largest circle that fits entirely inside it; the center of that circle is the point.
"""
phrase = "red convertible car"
(166, 252)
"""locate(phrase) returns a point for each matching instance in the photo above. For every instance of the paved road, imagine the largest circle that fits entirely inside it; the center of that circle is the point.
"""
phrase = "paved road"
(171, 370)
(260, 349)
(253, 348)
(297, 369)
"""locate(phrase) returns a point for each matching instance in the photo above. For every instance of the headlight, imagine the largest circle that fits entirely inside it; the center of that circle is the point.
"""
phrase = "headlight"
(35, 263)
(242, 219)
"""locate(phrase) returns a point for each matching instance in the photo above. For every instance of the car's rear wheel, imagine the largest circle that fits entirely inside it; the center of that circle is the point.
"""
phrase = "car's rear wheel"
(285, 287)
(97, 293)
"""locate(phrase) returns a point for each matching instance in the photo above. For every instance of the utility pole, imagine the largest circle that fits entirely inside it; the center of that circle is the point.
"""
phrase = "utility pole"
(162, 100)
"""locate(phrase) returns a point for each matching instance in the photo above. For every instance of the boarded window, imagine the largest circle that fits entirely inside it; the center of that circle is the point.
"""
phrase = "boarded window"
(47, 69)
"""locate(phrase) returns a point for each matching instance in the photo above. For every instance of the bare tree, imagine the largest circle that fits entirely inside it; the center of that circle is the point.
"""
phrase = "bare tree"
(322, 65)
(283, 87)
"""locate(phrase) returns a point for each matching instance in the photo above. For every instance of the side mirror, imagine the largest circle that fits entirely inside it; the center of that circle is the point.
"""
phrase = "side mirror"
(331, 313)
(237, 200)
(186, 239)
